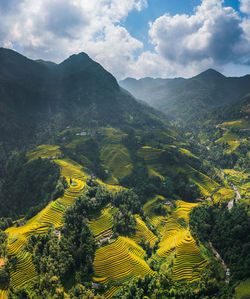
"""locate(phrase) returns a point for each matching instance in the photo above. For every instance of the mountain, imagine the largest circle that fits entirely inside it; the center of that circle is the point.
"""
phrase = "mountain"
(39, 98)
(102, 197)
(186, 98)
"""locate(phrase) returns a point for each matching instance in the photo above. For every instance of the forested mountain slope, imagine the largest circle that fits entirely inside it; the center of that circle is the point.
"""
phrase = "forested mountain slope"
(105, 198)
(38, 99)
(184, 98)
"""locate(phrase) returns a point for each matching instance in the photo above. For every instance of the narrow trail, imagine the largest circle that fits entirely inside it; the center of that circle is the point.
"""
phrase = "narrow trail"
(216, 253)
(237, 197)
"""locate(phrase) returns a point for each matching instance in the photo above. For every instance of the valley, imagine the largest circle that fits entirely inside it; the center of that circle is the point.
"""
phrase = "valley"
(133, 200)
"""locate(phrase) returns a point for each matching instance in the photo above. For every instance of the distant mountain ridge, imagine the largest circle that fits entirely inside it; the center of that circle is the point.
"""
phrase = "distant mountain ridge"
(39, 98)
(185, 98)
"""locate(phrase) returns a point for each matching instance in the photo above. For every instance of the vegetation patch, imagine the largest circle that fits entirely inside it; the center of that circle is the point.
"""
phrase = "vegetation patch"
(103, 223)
(237, 124)
(118, 262)
(45, 151)
(223, 194)
(143, 233)
(242, 291)
(116, 159)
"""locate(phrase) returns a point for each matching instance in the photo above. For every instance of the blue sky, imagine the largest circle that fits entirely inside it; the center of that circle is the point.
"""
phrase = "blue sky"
(136, 38)
(137, 22)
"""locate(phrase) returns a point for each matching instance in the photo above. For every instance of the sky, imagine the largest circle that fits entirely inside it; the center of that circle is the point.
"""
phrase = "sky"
(133, 38)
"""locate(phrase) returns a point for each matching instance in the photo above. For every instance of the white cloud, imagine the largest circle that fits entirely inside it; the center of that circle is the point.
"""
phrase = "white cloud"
(245, 6)
(184, 45)
(203, 35)
(213, 36)
(55, 29)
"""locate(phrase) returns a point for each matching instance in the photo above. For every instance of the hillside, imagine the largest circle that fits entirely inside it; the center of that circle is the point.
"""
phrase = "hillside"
(105, 198)
(39, 99)
(187, 98)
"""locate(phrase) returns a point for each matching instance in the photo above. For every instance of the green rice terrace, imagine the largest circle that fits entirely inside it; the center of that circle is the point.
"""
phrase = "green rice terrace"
(161, 227)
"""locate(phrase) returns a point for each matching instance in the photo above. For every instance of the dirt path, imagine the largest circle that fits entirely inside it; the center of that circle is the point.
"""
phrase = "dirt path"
(237, 197)
(216, 253)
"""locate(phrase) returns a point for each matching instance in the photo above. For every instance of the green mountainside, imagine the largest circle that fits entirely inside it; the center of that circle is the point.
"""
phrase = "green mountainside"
(38, 99)
(102, 197)
(185, 98)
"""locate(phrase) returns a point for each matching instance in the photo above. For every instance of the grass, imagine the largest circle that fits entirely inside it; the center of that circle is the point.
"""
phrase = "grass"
(177, 240)
(112, 135)
(173, 230)
(71, 131)
(77, 141)
(156, 220)
(223, 194)
(233, 146)
(237, 124)
(52, 216)
(110, 292)
(186, 152)
(116, 159)
(103, 223)
(245, 190)
(236, 177)
(3, 294)
(227, 136)
(44, 151)
(116, 263)
(143, 233)
(242, 291)
(151, 157)
(189, 261)
(205, 184)
(232, 139)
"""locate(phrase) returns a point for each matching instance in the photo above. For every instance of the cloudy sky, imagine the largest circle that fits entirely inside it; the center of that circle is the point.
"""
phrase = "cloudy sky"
(136, 38)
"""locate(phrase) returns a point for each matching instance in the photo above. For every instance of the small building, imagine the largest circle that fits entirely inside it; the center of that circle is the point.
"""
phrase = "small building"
(95, 286)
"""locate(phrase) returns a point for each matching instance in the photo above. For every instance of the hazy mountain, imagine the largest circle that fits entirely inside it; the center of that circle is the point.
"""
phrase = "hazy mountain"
(38, 98)
(185, 98)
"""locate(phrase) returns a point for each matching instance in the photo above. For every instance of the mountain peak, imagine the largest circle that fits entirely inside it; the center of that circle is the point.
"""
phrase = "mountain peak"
(76, 59)
(210, 73)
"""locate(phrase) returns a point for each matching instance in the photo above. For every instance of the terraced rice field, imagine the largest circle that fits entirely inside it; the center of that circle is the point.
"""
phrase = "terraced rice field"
(44, 151)
(147, 208)
(71, 169)
(3, 294)
(103, 223)
(236, 177)
(52, 216)
(175, 231)
(112, 135)
(24, 270)
(245, 190)
(242, 291)
(118, 262)
(110, 292)
(151, 157)
(223, 194)
(116, 159)
(238, 124)
(227, 136)
(143, 233)
(187, 153)
(176, 238)
(205, 184)
(189, 261)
